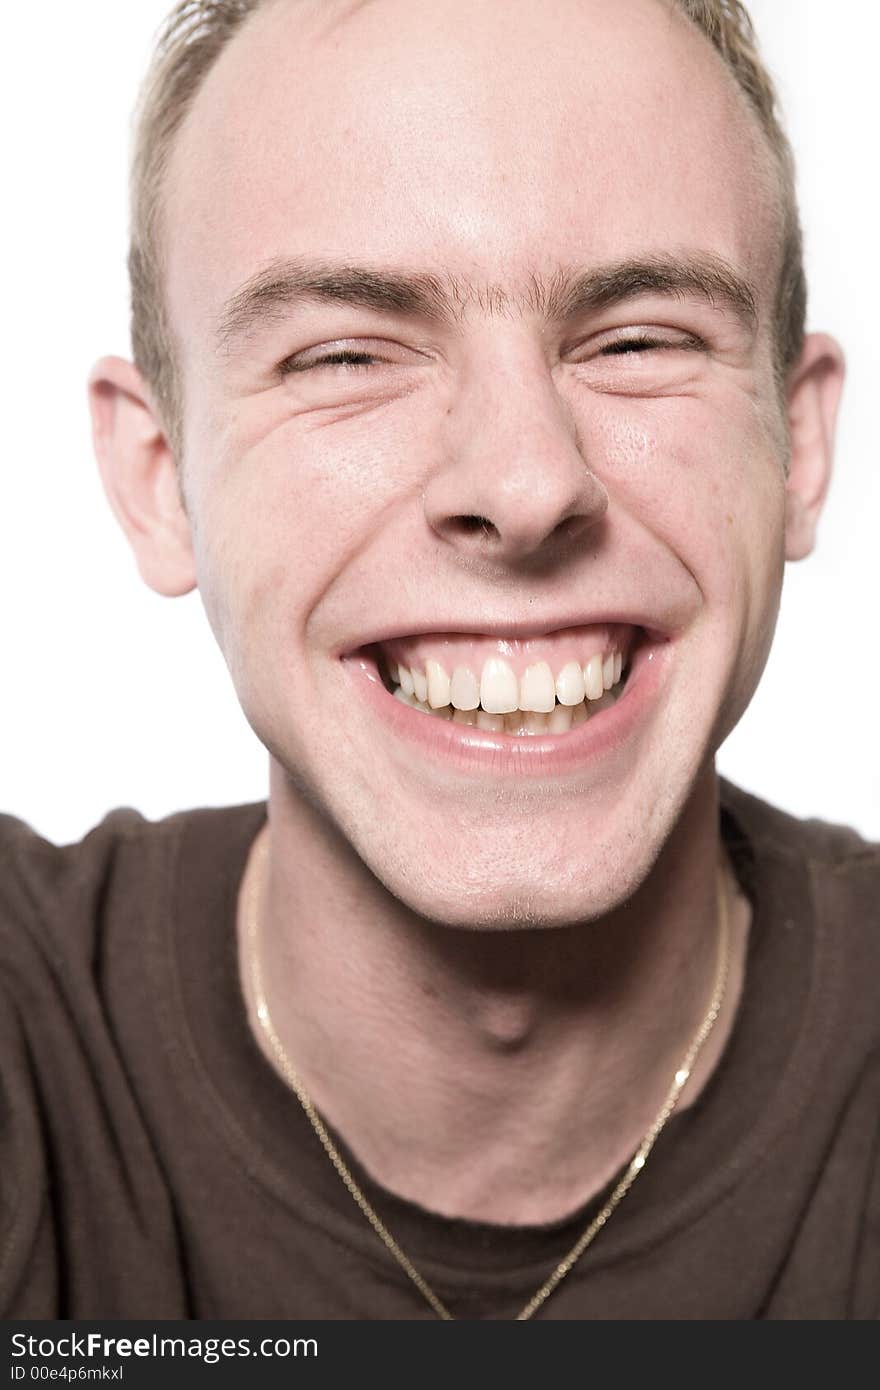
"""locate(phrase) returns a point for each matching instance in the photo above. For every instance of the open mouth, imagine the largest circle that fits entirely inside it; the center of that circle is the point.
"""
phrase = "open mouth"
(539, 686)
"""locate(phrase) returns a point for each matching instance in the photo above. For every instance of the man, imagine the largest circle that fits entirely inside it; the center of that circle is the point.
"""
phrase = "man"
(472, 391)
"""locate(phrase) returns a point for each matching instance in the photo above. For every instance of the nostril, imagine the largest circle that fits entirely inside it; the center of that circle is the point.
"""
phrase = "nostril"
(571, 527)
(469, 524)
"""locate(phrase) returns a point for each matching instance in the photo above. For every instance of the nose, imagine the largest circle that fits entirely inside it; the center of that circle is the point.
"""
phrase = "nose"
(514, 485)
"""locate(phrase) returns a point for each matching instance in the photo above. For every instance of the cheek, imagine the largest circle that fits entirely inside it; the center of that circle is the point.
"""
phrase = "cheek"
(706, 479)
(282, 516)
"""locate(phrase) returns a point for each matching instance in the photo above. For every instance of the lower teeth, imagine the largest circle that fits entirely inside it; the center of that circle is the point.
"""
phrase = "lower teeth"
(521, 723)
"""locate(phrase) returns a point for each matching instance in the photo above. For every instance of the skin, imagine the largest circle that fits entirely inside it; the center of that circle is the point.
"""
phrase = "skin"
(518, 935)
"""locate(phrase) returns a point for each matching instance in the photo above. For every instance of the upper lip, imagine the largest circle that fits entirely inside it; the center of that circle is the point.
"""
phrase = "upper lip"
(511, 629)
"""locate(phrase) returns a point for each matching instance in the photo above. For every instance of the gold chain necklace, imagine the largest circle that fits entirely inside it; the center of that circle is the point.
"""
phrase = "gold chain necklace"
(636, 1164)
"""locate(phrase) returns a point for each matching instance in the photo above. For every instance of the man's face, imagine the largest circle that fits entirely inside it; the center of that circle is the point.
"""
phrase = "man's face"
(627, 453)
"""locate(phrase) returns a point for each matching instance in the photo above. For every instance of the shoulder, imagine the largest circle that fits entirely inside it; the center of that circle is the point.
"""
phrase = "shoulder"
(811, 1003)
(55, 898)
(811, 873)
(34, 872)
(840, 866)
(78, 927)
(51, 894)
(777, 832)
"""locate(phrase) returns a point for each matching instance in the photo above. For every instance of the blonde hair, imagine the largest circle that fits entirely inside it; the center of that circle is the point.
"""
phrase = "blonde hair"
(195, 34)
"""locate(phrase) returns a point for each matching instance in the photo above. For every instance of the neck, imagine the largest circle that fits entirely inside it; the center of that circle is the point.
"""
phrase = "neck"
(457, 1064)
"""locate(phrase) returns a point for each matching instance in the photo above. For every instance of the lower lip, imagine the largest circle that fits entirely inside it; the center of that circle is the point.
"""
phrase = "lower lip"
(481, 752)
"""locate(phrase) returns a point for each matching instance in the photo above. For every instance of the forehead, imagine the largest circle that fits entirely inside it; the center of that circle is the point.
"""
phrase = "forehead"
(486, 138)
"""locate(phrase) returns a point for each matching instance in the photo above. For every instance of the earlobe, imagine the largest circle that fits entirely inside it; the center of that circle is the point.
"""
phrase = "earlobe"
(140, 477)
(813, 396)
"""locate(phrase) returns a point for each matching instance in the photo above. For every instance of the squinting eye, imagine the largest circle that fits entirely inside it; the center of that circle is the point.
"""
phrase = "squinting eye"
(345, 357)
(632, 345)
(620, 346)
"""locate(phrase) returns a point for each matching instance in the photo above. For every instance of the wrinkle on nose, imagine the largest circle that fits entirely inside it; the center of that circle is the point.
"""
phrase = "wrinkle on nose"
(515, 484)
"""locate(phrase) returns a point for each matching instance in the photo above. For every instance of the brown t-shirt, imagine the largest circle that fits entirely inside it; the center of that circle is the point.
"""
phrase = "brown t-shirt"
(153, 1165)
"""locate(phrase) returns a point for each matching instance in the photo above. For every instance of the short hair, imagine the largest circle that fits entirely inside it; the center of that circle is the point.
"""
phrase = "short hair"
(189, 43)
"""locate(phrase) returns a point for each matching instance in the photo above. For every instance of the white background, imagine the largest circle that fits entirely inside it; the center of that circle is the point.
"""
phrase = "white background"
(113, 696)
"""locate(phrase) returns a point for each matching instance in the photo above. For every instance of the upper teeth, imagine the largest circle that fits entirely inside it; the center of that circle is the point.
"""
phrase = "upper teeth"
(498, 691)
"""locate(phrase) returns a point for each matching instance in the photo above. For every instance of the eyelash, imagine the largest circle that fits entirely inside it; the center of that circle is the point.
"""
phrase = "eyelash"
(640, 344)
(352, 360)
(346, 358)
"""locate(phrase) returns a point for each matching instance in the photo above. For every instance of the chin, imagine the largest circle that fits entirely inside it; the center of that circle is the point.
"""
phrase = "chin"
(507, 882)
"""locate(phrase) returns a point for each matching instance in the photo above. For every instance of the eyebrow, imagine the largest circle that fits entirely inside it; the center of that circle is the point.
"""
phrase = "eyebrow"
(284, 284)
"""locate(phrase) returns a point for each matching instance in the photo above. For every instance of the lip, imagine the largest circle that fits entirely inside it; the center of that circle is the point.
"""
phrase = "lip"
(511, 630)
(466, 749)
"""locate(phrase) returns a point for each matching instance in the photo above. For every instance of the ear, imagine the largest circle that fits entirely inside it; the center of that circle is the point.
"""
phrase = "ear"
(140, 476)
(813, 395)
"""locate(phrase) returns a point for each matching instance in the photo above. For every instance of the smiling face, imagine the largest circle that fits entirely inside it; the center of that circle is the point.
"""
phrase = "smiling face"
(474, 306)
